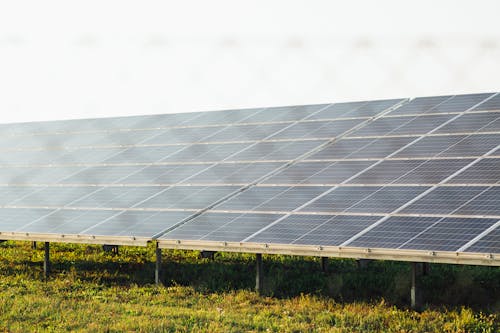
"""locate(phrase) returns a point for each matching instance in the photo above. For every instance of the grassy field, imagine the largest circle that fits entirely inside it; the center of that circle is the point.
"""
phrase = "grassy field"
(93, 291)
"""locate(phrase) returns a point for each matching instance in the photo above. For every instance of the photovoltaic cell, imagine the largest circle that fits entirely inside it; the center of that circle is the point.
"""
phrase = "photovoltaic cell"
(224, 117)
(373, 108)
(341, 199)
(183, 135)
(473, 145)
(143, 154)
(100, 175)
(394, 232)
(486, 171)
(460, 103)
(52, 196)
(233, 173)
(318, 172)
(448, 234)
(164, 174)
(380, 148)
(285, 113)
(29, 175)
(228, 227)
(420, 105)
(323, 230)
(387, 199)
(362, 148)
(117, 197)
(206, 152)
(246, 132)
(272, 198)
(284, 150)
(402, 125)
(337, 110)
(138, 223)
(387, 172)
(492, 104)
(444, 200)
(433, 171)
(487, 203)
(473, 122)
(66, 222)
(188, 197)
(11, 219)
(489, 243)
(310, 130)
(431, 146)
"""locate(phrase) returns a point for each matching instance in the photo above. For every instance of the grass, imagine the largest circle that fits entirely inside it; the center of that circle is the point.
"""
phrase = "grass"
(93, 291)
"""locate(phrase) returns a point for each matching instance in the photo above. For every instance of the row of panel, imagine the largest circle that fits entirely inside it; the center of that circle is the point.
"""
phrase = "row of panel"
(237, 133)
(414, 171)
(284, 150)
(485, 171)
(438, 124)
(89, 222)
(368, 148)
(385, 126)
(450, 104)
(417, 106)
(245, 116)
(397, 232)
(421, 200)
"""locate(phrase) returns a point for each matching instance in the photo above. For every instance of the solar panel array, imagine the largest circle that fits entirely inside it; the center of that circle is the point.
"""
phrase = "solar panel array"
(421, 174)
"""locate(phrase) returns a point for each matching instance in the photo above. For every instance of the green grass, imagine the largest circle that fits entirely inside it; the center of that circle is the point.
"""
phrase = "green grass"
(94, 291)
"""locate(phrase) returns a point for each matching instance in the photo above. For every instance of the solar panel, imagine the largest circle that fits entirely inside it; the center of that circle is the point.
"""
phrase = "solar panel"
(360, 179)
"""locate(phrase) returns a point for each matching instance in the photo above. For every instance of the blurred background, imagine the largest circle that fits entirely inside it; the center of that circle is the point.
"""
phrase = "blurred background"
(65, 59)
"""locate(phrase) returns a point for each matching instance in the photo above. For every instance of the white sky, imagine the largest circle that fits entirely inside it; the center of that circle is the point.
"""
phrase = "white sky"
(68, 59)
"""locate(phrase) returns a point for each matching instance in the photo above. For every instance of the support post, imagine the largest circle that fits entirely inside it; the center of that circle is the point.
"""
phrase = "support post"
(363, 263)
(46, 260)
(259, 277)
(415, 294)
(158, 266)
(324, 264)
(33, 245)
(426, 268)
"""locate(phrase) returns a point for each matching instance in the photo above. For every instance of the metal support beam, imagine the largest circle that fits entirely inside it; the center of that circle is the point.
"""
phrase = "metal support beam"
(415, 294)
(158, 266)
(259, 277)
(46, 260)
(324, 264)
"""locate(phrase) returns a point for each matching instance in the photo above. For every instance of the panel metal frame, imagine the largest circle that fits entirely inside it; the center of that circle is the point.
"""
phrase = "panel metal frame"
(483, 259)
